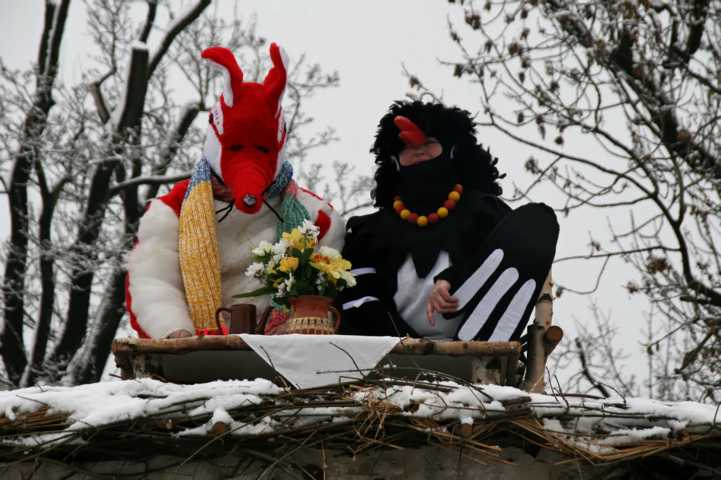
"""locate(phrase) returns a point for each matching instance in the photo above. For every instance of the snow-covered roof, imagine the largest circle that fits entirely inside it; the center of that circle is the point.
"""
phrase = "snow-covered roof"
(46, 418)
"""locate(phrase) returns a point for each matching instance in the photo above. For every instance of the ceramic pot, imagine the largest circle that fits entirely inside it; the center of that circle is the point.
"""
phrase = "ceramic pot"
(312, 314)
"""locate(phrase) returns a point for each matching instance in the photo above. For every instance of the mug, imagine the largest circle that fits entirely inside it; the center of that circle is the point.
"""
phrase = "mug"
(242, 318)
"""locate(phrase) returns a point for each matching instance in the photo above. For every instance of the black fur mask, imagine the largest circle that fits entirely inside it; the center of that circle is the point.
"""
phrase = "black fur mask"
(424, 187)
(453, 128)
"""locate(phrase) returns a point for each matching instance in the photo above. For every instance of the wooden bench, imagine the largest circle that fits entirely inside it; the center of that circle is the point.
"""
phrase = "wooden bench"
(204, 359)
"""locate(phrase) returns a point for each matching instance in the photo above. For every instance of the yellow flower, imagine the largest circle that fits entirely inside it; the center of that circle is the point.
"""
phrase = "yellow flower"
(333, 267)
(297, 240)
(318, 258)
(294, 238)
(329, 252)
(288, 264)
(322, 263)
(339, 264)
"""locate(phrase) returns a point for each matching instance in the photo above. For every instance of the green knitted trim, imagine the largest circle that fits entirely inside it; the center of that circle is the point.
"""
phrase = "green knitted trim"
(293, 214)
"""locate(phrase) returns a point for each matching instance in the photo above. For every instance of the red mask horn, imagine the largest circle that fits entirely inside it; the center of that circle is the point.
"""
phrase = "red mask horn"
(223, 59)
(275, 81)
(411, 135)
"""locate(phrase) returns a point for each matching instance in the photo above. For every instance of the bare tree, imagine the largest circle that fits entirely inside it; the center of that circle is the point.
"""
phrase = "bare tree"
(641, 79)
(82, 160)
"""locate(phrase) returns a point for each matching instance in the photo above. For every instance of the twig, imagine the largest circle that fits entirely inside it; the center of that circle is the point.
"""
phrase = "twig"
(587, 373)
(137, 181)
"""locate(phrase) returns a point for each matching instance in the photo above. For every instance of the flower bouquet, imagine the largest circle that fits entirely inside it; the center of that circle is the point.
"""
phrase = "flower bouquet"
(295, 272)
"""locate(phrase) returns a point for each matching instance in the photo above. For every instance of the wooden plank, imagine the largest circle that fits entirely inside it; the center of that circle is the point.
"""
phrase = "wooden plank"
(483, 371)
(124, 361)
(209, 365)
(147, 365)
(552, 337)
(512, 370)
(207, 358)
(535, 368)
(544, 305)
(469, 368)
(416, 346)
(411, 346)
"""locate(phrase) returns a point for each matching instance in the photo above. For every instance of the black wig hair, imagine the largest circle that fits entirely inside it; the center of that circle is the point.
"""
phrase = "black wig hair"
(453, 128)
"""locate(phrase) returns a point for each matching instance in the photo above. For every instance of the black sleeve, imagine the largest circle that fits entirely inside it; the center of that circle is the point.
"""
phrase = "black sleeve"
(488, 212)
(367, 308)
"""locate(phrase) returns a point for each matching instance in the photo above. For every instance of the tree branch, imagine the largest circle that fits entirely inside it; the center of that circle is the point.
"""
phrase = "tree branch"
(178, 26)
(131, 111)
(613, 254)
(587, 373)
(47, 285)
(44, 36)
(56, 38)
(696, 27)
(355, 208)
(13, 346)
(149, 20)
(172, 143)
(88, 364)
(138, 181)
(99, 101)
(127, 131)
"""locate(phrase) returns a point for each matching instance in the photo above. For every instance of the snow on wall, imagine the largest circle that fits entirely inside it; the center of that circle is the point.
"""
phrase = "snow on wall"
(626, 421)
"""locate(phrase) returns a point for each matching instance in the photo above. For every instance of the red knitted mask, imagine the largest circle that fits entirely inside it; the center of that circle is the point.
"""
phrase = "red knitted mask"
(249, 126)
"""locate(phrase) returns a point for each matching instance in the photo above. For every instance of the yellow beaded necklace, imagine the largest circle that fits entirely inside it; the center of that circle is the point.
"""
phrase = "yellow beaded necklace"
(423, 220)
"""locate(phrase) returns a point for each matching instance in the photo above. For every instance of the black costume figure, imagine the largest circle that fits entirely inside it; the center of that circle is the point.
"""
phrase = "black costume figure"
(495, 258)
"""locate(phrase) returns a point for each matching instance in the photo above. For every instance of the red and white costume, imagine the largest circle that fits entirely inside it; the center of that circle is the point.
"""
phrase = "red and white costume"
(245, 149)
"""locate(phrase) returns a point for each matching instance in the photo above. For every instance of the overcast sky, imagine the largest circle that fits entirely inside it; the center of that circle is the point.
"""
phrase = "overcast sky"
(367, 42)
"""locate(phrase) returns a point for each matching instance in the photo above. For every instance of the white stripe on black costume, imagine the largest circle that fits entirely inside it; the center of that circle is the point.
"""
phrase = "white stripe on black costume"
(358, 302)
(471, 286)
(488, 303)
(509, 321)
(357, 272)
(503, 290)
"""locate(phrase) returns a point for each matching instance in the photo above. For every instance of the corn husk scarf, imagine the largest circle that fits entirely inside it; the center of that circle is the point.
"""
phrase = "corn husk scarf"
(198, 238)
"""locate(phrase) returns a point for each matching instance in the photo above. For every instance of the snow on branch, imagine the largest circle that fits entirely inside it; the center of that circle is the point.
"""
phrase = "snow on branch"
(351, 416)
(150, 180)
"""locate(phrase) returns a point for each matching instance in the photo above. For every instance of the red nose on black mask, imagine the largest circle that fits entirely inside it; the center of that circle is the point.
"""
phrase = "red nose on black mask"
(410, 133)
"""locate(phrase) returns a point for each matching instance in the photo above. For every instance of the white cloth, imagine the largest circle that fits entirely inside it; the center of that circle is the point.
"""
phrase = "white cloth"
(315, 360)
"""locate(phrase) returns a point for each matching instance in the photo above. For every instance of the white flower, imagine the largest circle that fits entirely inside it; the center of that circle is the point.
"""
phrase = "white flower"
(329, 252)
(262, 249)
(309, 228)
(288, 283)
(279, 247)
(254, 269)
(275, 259)
(284, 288)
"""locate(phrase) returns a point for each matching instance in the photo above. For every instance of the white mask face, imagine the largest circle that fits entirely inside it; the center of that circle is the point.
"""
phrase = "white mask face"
(414, 155)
